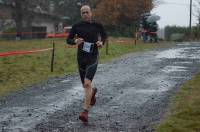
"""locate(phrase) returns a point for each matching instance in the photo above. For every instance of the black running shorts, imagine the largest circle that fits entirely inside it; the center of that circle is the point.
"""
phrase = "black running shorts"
(87, 67)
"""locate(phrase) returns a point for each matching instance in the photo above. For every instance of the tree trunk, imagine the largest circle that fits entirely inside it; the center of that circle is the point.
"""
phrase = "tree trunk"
(18, 17)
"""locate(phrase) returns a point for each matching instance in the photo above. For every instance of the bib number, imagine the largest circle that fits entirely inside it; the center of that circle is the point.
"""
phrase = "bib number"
(88, 47)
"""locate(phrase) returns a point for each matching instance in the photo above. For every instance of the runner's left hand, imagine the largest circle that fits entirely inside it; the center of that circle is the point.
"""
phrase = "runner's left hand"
(99, 44)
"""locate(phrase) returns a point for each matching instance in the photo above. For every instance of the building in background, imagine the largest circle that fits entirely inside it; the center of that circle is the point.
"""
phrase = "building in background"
(38, 26)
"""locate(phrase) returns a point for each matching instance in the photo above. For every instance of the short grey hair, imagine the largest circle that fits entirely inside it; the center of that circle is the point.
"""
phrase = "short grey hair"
(85, 7)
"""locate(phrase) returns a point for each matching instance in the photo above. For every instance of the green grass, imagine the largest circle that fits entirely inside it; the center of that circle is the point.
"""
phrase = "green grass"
(184, 115)
(17, 72)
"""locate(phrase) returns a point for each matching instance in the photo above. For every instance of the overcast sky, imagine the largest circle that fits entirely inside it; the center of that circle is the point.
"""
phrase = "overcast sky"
(174, 12)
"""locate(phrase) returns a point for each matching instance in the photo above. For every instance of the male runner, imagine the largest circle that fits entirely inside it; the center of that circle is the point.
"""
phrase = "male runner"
(89, 36)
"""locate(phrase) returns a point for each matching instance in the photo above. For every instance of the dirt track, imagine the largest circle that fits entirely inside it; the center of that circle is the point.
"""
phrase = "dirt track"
(133, 95)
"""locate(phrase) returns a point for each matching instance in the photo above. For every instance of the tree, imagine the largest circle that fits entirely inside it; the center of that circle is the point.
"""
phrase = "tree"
(110, 12)
(196, 4)
(122, 17)
(170, 30)
(118, 12)
(68, 8)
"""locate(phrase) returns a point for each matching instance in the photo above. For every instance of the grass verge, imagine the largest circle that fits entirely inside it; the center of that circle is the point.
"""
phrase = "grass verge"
(17, 72)
(184, 115)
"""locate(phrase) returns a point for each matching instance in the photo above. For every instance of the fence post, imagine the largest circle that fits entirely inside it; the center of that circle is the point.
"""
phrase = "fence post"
(52, 57)
(135, 41)
(107, 47)
(136, 36)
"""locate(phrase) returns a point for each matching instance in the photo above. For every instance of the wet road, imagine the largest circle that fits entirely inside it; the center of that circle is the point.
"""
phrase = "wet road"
(133, 96)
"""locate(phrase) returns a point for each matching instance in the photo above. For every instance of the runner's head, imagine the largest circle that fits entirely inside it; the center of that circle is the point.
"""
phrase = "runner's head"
(86, 13)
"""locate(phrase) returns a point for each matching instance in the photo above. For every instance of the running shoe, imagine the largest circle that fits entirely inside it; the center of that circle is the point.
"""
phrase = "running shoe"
(84, 116)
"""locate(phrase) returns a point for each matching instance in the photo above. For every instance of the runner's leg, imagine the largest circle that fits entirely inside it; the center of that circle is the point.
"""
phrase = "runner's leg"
(88, 93)
(82, 73)
(90, 72)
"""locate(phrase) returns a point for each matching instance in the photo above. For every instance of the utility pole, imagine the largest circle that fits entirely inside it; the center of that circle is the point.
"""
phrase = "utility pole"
(190, 25)
(145, 6)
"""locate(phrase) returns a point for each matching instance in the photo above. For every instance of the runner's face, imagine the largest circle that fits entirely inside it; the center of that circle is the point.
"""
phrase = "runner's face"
(86, 14)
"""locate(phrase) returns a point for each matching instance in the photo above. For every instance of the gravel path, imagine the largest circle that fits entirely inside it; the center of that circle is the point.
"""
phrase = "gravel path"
(133, 95)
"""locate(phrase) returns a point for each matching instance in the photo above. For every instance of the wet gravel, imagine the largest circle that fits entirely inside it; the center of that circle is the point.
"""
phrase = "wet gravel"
(133, 95)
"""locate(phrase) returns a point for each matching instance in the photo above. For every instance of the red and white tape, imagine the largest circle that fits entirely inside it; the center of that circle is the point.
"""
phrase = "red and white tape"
(13, 53)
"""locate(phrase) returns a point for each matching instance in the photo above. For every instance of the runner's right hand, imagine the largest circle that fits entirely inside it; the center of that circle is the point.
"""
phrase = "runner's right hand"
(79, 41)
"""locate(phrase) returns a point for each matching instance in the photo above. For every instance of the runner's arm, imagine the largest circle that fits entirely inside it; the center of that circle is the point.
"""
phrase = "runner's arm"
(103, 34)
(71, 38)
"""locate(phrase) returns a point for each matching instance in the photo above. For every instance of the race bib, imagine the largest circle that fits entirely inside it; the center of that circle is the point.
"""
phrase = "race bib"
(87, 47)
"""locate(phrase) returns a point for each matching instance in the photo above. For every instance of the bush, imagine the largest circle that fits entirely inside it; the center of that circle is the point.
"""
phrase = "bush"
(177, 37)
(9, 33)
(120, 31)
